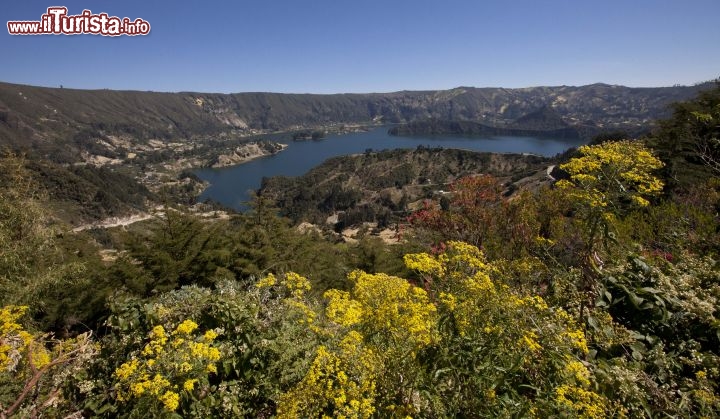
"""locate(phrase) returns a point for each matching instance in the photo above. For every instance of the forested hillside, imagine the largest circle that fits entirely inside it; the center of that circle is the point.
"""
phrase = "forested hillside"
(593, 296)
(383, 187)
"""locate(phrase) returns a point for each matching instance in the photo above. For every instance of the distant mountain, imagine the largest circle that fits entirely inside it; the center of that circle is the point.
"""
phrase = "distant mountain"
(60, 123)
(545, 118)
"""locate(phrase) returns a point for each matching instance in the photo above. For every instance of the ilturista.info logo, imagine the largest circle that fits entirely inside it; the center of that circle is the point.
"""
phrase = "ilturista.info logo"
(57, 22)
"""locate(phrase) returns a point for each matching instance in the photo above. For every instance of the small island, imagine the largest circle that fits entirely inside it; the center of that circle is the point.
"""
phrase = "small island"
(309, 135)
(445, 127)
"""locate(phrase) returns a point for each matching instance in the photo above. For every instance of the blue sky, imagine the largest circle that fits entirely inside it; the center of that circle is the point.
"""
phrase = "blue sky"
(333, 46)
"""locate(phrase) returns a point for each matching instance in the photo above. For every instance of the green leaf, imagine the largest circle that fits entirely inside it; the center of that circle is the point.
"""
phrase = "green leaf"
(593, 322)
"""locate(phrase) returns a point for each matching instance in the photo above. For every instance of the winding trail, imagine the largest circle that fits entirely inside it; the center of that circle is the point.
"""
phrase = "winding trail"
(549, 170)
(114, 222)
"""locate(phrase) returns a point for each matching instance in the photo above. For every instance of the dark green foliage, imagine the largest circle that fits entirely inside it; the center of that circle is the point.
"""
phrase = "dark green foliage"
(262, 242)
(688, 221)
(683, 140)
(609, 136)
(308, 135)
(89, 192)
(182, 250)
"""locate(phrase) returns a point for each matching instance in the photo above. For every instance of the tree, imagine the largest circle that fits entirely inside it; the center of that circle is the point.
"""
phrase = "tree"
(31, 265)
(607, 179)
(181, 250)
(476, 212)
(708, 142)
(688, 142)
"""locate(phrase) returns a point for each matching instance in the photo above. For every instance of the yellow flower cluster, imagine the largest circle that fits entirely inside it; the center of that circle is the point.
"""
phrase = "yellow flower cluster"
(577, 339)
(448, 300)
(461, 253)
(166, 362)
(392, 306)
(383, 318)
(170, 400)
(474, 295)
(16, 343)
(127, 369)
(341, 382)
(305, 314)
(571, 334)
(189, 385)
(157, 342)
(463, 270)
(296, 284)
(268, 281)
(529, 341)
(705, 397)
(578, 371)
(607, 170)
(582, 403)
(425, 263)
(185, 328)
(593, 197)
(341, 309)
(13, 339)
(342, 377)
(293, 287)
(152, 386)
(534, 301)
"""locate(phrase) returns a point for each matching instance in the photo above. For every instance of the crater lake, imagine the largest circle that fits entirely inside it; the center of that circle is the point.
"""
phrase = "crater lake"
(232, 186)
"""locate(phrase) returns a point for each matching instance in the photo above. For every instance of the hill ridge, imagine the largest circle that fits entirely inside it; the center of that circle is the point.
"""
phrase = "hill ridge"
(44, 118)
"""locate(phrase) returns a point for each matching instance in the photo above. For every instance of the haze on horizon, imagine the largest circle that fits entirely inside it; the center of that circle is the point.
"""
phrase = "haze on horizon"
(372, 46)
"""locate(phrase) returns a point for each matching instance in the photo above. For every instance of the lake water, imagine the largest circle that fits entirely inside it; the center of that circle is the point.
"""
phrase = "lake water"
(231, 185)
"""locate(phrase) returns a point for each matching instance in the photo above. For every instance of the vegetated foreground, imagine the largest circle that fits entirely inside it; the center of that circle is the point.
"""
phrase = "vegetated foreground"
(593, 297)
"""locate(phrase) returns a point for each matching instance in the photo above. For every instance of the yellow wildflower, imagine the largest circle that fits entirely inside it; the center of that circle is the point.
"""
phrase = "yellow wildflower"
(170, 400)
(448, 300)
(577, 370)
(581, 402)
(185, 367)
(342, 309)
(296, 284)
(529, 340)
(393, 305)
(127, 369)
(210, 335)
(424, 263)
(577, 339)
(186, 327)
(189, 385)
(266, 282)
